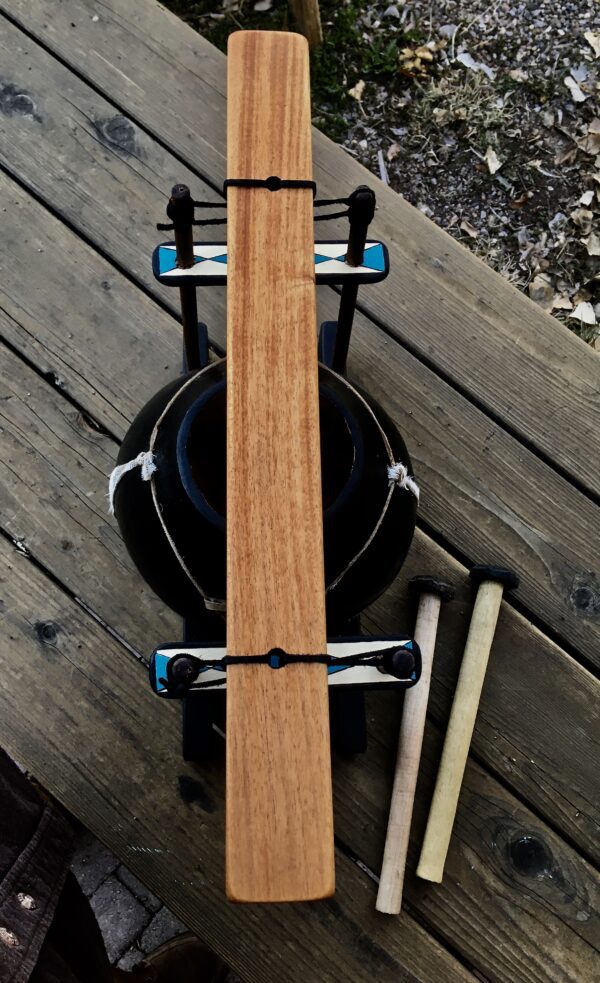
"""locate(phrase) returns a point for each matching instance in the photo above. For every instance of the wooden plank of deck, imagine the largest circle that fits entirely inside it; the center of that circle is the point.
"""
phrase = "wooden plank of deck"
(112, 756)
(361, 803)
(485, 493)
(538, 719)
(441, 301)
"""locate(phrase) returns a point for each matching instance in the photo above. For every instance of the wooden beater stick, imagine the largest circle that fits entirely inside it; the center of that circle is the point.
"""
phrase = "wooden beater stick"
(493, 581)
(431, 594)
(279, 823)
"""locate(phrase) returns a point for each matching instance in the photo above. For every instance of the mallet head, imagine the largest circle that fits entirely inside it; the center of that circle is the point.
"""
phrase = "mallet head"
(500, 575)
(430, 585)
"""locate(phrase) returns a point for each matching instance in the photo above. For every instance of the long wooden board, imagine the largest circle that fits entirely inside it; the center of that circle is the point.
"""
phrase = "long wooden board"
(279, 799)
(440, 299)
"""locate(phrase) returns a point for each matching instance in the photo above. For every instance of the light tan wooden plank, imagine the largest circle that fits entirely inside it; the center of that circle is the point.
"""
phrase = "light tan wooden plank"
(537, 725)
(279, 799)
(447, 437)
(97, 738)
(440, 300)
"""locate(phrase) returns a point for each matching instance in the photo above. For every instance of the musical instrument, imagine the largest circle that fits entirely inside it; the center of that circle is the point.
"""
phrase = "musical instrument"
(432, 593)
(267, 487)
(493, 581)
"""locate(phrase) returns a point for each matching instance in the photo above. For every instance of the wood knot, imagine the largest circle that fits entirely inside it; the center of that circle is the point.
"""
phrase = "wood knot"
(15, 101)
(117, 132)
(585, 597)
(529, 855)
(47, 632)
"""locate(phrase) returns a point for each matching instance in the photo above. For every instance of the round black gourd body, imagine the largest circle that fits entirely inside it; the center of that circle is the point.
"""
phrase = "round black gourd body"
(174, 524)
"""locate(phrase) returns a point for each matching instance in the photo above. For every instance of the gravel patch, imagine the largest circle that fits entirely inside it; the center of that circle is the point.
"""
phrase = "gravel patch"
(483, 115)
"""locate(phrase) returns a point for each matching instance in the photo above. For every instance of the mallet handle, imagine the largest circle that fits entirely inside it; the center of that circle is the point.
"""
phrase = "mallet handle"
(460, 731)
(389, 896)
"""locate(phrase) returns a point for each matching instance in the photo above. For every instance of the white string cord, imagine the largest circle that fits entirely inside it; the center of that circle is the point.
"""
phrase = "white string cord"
(144, 460)
(398, 475)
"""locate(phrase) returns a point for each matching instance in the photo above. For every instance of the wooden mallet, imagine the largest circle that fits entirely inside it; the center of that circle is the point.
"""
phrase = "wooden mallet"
(493, 581)
(431, 594)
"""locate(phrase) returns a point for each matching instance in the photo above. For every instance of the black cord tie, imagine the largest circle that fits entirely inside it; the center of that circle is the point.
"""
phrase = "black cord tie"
(272, 183)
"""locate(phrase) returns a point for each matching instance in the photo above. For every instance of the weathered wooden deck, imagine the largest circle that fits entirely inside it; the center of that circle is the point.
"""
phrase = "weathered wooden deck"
(103, 106)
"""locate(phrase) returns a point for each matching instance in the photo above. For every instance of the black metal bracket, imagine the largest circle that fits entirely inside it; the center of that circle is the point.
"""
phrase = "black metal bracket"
(334, 340)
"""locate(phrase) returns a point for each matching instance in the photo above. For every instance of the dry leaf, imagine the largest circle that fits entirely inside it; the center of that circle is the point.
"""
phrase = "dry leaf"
(469, 229)
(424, 53)
(594, 41)
(582, 296)
(357, 91)
(541, 292)
(592, 244)
(464, 58)
(263, 5)
(492, 160)
(561, 303)
(580, 73)
(393, 151)
(566, 156)
(582, 217)
(576, 93)
(518, 75)
(584, 312)
(586, 198)
(590, 143)
(519, 202)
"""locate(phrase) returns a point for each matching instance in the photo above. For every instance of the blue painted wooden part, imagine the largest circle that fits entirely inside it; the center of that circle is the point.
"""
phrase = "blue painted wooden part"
(210, 264)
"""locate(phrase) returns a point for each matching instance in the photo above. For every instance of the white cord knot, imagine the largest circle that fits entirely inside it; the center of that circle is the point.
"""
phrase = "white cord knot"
(144, 460)
(398, 475)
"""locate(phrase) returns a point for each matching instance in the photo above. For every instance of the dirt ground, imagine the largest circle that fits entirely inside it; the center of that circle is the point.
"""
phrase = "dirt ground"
(483, 115)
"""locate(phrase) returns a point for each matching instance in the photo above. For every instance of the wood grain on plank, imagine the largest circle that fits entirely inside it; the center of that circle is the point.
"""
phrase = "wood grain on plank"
(539, 737)
(440, 300)
(91, 710)
(279, 800)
